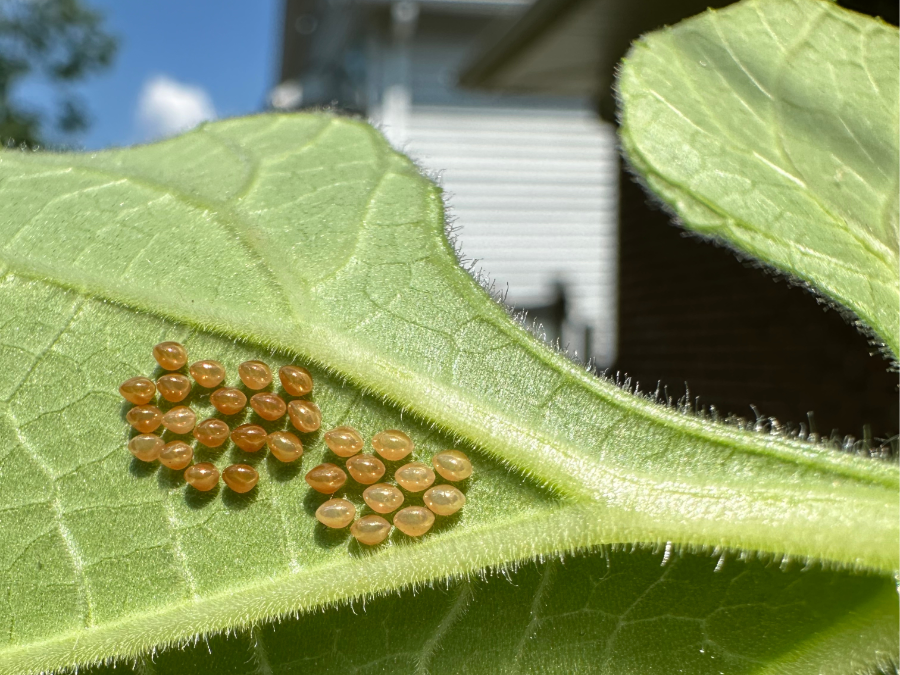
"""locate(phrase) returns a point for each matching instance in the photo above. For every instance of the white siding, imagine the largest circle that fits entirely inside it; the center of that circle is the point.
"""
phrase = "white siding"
(534, 194)
(532, 183)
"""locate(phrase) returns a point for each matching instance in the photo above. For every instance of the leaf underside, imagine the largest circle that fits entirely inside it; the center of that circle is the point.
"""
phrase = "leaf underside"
(305, 239)
(773, 126)
(608, 612)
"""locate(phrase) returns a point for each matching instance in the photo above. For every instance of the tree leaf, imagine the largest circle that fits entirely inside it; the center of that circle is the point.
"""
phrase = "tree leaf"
(305, 238)
(773, 126)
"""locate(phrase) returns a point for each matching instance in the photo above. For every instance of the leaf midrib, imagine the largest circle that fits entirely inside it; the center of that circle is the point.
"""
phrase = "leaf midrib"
(520, 538)
(596, 499)
(574, 473)
(567, 469)
(584, 487)
(784, 449)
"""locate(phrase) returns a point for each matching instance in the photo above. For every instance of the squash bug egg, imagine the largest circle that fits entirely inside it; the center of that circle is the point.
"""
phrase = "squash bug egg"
(326, 478)
(370, 530)
(144, 418)
(176, 455)
(285, 446)
(207, 373)
(228, 401)
(392, 444)
(255, 374)
(170, 355)
(138, 390)
(203, 476)
(179, 420)
(146, 447)
(336, 513)
(211, 432)
(296, 381)
(414, 521)
(240, 477)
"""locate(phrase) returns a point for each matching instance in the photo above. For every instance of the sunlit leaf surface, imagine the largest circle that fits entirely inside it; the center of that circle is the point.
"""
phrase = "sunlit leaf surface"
(773, 125)
(305, 239)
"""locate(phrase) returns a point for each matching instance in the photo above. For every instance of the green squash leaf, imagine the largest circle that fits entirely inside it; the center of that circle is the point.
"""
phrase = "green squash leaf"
(772, 125)
(306, 239)
(625, 612)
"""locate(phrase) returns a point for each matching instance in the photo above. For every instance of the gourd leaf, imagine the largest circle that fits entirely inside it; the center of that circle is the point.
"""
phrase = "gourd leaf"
(304, 238)
(627, 611)
(773, 126)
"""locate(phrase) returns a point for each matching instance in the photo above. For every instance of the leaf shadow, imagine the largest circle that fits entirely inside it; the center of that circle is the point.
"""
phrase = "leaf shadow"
(328, 537)
(195, 499)
(313, 500)
(358, 550)
(237, 501)
(123, 411)
(282, 471)
(140, 469)
(238, 456)
(445, 523)
(169, 479)
(203, 453)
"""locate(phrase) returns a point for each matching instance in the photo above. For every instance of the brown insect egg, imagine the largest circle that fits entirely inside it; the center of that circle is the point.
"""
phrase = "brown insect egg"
(414, 521)
(176, 455)
(285, 447)
(174, 387)
(249, 437)
(452, 465)
(170, 355)
(305, 415)
(444, 500)
(144, 418)
(208, 373)
(203, 476)
(392, 444)
(146, 447)
(228, 401)
(365, 469)
(370, 530)
(211, 432)
(383, 498)
(295, 380)
(255, 374)
(268, 406)
(138, 390)
(326, 478)
(240, 477)
(336, 513)
(414, 476)
(179, 420)
(344, 441)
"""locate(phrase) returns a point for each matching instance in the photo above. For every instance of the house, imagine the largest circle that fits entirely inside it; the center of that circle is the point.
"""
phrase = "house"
(530, 180)
(694, 319)
(511, 103)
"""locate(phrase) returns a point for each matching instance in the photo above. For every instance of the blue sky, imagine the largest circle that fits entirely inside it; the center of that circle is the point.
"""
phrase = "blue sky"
(228, 48)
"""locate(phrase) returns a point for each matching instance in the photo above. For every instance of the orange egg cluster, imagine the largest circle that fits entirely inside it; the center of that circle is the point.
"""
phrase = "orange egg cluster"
(414, 477)
(175, 387)
(411, 479)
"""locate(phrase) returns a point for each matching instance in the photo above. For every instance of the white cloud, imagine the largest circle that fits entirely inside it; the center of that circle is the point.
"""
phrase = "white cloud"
(166, 107)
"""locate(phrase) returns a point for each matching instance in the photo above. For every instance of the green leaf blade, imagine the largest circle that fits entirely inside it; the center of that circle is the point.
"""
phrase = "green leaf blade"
(623, 612)
(774, 126)
(325, 247)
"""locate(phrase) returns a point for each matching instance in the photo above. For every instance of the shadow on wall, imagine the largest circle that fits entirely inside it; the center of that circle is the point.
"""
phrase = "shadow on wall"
(556, 324)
